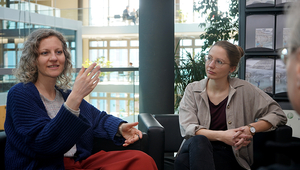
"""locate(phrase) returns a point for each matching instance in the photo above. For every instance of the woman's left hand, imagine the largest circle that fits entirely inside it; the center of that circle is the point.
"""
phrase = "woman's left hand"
(242, 137)
(130, 133)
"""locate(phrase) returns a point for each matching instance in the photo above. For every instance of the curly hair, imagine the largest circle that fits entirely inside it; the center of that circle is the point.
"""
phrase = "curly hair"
(27, 70)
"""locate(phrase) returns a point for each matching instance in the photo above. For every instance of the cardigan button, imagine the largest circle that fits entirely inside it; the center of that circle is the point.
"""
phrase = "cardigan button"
(228, 107)
(229, 122)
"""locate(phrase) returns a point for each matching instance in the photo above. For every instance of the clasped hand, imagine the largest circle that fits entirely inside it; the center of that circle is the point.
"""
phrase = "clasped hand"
(238, 137)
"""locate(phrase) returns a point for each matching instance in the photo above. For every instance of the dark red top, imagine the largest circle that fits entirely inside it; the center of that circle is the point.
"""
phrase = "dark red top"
(218, 115)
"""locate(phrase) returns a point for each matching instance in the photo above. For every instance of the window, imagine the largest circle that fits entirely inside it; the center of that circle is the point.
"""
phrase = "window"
(134, 57)
(186, 42)
(97, 53)
(134, 43)
(119, 57)
(119, 52)
(199, 42)
(118, 43)
(98, 43)
(189, 46)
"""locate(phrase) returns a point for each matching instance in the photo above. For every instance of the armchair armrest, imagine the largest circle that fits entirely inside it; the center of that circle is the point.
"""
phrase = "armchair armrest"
(283, 134)
(156, 137)
(264, 154)
(281, 145)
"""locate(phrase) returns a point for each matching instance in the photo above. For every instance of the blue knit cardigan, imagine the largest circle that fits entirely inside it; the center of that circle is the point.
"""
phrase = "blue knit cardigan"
(34, 141)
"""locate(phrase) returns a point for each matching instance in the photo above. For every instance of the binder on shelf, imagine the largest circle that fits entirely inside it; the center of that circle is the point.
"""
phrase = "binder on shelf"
(280, 79)
(259, 3)
(282, 32)
(260, 32)
(260, 71)
(281, 3)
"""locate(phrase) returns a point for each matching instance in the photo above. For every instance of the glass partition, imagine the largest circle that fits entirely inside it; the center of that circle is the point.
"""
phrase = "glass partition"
(13, 35)
(117, 93)
(101, 12)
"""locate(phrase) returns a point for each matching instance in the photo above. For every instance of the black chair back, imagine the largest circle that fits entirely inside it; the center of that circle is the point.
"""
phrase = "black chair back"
(2, 148)
(173, 138)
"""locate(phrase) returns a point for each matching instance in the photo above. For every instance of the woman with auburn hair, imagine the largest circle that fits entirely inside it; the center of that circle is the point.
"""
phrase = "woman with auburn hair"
(219, 115)
(49, 126)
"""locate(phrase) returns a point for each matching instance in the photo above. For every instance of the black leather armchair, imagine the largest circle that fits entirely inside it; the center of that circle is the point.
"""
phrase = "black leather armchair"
(164, 138)
(99, 144)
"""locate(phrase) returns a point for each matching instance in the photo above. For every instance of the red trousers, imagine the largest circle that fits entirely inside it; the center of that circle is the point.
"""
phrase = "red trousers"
(113, 160)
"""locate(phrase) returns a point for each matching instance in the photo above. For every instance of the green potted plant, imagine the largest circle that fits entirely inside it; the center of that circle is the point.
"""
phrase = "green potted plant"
(100, 61)
(186, 70)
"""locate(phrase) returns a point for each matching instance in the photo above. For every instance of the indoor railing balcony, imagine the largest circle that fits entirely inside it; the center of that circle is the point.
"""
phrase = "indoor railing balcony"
(117, 92)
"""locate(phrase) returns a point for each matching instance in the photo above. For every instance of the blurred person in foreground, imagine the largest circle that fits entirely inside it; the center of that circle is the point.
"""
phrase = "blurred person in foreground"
(51, 127)
(292, 61)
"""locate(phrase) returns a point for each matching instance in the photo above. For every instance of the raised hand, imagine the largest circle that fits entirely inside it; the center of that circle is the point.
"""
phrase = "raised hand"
(130, 133)
(85, 83)
(86, 80)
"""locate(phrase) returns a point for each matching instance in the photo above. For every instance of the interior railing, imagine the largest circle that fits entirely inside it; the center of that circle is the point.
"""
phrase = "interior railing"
(117, 92)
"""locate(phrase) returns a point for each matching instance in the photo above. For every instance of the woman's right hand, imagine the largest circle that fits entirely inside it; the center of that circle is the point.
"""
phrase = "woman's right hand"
(85, 83)
(236, 136)
(227, 136)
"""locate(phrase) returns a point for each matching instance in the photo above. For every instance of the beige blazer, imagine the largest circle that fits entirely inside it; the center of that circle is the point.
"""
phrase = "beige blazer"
(246, 104)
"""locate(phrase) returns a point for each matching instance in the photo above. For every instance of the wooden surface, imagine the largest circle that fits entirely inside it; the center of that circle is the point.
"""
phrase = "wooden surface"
(2, 116)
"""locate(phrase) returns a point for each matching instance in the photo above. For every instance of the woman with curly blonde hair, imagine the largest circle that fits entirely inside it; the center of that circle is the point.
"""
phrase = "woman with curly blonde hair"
(27, 70)
(51, 127)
